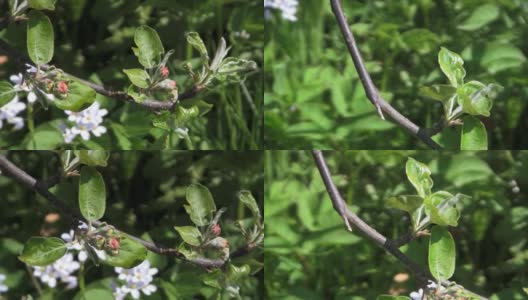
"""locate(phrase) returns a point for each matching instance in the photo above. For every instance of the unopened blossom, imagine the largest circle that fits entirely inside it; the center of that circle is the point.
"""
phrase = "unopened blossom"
(288, 8)
(164, 71)
(167, 84)
(3, 287)
(86, 122)
(61, 270)
(216, 229)
(62, 87)
(9, 113)
(136, 281)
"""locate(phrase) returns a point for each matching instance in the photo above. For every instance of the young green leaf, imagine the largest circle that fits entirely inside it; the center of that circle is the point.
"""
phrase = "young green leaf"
(247, 198)
(40, 251)
(150, 49)
(40, 38)
(92, 157)
(197, 43)
(439, 92)
(201, 204)
(480, 17)
(442, 253)
(190, 234)
(7, 92)
(131, 254)
(453, 66)
(183, 115)
(441, 208)
(408, 203)
(92, 194)
(474, 97)
(42, 4)
(420, 177)
(138, 77)
(474, 135)
(80, 96)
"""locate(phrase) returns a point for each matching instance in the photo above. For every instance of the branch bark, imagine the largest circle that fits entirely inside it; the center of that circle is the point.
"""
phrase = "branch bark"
(354, 221)
(151, 104)
(370, 89)
(41, 187)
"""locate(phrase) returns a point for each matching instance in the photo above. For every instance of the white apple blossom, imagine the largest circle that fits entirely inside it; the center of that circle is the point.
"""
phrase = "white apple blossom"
(288, 8)
(9, 113)
(22, 85)
(419, 295)
(60, 270)
(136, 280)
(3, 287)
(86, 122)
(74, 244)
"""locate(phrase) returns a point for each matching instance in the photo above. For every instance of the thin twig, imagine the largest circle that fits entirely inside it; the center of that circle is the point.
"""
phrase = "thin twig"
(41, 187)
(352, 220)
(151, 104)
(369, 87)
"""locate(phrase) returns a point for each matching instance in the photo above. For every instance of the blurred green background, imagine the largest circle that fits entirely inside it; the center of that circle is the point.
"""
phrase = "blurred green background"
(94, 40)
(313, 98)
(309, 254)
(145, 197)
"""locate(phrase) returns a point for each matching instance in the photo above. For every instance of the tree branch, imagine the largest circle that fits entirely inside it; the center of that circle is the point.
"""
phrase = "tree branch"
(41, 187)
(151, 104)
(370, 89)
(352, 220)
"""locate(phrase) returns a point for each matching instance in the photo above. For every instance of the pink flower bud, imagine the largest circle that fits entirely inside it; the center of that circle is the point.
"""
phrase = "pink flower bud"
(216, 229)
(62, 87)
(164, 71)
(113, 243)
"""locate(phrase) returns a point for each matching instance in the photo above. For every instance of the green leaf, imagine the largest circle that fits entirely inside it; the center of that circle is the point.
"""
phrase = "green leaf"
(131, 254)
(442, 253)
(190, 234)
(499, 56)
(40, 37)
(236, 65)
(7, 92)
(46, 136)
(234, 273)
(481, 17)
(441, 208)
(80, 96)
(201, 204)
(408, 203)
(420, 177)
(475, 97)
(92, 157)
(453, 66)
(474, 135)
(150, 49)
(439, 92)
(202, 106)
(184, 115)
(138, 77)
(197, 43)
(247, 198)
(42, 4)
(40, 251)
(92, 194)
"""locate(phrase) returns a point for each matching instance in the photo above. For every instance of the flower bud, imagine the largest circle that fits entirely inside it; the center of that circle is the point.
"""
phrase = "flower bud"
(164, 71)
(113, 243)
(167, 84)
(62, 87)
(216, 229)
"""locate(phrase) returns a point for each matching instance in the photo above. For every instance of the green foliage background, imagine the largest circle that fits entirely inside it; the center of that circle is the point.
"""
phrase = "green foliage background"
(94, 40)
(145, 197)
(313, 97)
(309, 254)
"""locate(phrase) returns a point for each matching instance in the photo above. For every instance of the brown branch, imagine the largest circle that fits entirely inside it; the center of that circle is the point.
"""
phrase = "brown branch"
(353, 220)
(151, 104)
(41, 187)
(370, 89)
